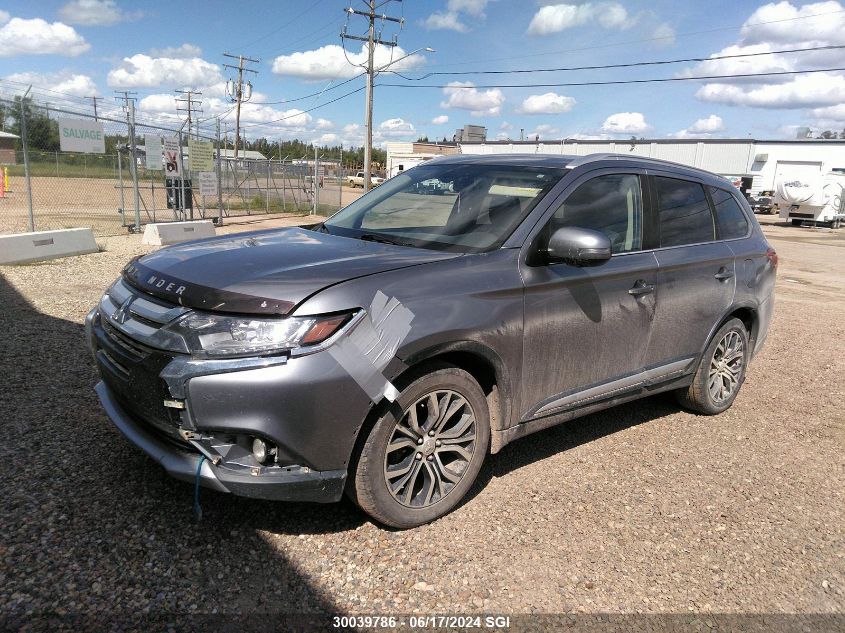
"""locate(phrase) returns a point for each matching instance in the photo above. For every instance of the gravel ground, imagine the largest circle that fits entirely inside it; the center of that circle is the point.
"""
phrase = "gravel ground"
(642, 508)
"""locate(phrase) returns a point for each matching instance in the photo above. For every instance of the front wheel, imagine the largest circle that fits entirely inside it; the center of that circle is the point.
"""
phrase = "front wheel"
(422, 456)
(721, 371)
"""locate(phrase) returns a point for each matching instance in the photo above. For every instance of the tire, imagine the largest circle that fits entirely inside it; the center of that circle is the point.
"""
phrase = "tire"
(699, 396)
(443, 475)
(796, 222)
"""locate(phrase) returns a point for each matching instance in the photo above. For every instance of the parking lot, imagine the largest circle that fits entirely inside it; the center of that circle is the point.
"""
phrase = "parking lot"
(641, 508)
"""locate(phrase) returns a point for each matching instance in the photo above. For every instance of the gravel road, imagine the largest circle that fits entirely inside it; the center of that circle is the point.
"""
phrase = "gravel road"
(642, 508)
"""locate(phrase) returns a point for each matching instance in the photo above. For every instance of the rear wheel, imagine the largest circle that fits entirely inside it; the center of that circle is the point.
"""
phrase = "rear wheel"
(721, 371)
(796, 222)
(422, 456)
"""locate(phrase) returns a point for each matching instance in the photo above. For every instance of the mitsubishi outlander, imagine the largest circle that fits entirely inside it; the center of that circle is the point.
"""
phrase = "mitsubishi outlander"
(387, 351)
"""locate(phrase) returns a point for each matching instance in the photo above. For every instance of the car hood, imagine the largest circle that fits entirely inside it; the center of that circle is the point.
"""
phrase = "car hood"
(264, 272)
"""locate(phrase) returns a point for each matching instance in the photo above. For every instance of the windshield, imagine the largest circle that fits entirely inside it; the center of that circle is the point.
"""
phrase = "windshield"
(449, 206)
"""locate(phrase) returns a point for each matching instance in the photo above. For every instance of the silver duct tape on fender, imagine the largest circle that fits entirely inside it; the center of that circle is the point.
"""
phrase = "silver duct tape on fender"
(368, 349)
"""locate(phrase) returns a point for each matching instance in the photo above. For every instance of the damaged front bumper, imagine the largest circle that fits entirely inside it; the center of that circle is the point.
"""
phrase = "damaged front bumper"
(295, 483)
(177, 409)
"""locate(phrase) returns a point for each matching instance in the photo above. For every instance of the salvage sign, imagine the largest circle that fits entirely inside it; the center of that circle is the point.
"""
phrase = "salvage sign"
(80, 135)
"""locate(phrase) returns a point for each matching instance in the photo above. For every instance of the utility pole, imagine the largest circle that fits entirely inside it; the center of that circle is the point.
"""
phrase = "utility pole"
(95, 100)
(238, 91)
(371, 41)
(189, 97)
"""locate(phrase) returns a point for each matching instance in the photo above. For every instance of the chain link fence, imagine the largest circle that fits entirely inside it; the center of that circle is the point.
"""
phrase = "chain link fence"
(43, 187)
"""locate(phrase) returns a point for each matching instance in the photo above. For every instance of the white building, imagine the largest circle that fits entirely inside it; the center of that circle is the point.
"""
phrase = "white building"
(753, 165)
(402, 156)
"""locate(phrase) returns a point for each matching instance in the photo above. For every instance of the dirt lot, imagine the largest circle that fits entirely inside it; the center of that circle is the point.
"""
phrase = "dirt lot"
(642, 508)
(61, 203)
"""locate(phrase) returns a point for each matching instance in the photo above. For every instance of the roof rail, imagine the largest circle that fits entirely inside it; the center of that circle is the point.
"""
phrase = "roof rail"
(592, 158)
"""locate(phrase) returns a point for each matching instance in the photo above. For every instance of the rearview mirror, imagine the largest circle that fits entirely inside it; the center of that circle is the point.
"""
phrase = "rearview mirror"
(582, 247)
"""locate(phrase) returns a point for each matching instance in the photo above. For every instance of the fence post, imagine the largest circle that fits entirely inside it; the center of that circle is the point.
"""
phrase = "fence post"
(340, 180)
(182, 180)
(57, 164)
(133, 165)
(26, 162)
(120, 179)
(267, 193)
(219, 179)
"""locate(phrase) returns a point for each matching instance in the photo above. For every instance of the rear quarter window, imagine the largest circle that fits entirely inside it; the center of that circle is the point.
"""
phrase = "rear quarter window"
(730, 219)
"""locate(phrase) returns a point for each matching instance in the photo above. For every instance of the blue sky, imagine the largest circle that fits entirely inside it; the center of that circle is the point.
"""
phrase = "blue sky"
(68, 49)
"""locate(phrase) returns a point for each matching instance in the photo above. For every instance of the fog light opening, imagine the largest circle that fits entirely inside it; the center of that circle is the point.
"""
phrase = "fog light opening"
(263, 451)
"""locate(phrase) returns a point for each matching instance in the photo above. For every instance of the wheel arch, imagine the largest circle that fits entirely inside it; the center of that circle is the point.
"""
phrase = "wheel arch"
(745, 312)
(484, 365)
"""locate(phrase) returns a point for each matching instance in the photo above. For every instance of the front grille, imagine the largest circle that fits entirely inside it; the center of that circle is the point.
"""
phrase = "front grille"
(132, 347)
(129, 365)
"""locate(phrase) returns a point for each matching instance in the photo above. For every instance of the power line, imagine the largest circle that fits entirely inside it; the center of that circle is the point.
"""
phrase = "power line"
(619, 82)
(301, 112)
(627, 65)
(313, 6)
(639, 41)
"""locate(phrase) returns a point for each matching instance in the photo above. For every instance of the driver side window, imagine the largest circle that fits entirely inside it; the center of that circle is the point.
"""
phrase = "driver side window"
(611, 204)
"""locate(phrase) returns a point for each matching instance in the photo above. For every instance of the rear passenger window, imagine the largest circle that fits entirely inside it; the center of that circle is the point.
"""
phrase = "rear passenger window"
(685, 216)
(611, 204)
(729, 216)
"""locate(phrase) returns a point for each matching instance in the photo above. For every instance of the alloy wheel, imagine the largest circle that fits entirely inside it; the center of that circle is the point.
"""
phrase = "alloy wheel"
(430, 448)
(726, 367)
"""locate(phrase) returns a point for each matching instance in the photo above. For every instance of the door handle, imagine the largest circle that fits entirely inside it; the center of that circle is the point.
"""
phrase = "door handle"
(641, 288)
(723, 274)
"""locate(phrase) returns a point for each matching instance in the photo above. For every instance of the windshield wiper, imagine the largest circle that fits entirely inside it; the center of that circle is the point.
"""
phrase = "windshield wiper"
(383, 239)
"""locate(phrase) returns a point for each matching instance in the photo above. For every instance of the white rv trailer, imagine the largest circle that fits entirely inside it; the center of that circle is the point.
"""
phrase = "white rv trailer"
(811, 197)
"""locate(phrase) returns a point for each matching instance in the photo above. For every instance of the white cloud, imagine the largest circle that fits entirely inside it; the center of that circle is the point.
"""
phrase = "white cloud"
(65, 82)
(548, 103)
(702, 128)
(445, 21)
(665, 34)
(396, 127)
(710, 124)
(185, 51)
(784, 23)
(831, 113)
(158, 103)
(544, 131)
(143, 71)
(351, 128)
(95, 13)
(625, 123)
(39, 37)
(4, 16)
(329, 62)
(464, 96)
(559, 17)
(324, 124)
(470, 7)
(506, 126)
(440, 120)
(777, 26)
(327, 139)
(804, 91)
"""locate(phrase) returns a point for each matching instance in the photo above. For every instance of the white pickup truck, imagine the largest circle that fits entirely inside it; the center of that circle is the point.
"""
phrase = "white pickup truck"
(358, 180)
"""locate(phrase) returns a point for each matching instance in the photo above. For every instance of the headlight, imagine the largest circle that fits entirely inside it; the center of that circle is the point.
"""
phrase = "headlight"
(217, 335)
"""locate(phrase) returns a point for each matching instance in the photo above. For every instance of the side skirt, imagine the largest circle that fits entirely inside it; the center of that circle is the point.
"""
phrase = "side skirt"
(538, 424)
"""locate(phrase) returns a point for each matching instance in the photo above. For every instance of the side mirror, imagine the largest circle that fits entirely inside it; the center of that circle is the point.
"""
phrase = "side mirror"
(582, 247)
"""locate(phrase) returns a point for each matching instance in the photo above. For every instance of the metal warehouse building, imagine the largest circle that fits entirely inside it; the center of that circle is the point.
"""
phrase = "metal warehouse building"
(753, 165)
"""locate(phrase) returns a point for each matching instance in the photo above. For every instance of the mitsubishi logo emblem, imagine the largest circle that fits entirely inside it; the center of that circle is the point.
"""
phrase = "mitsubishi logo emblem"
(119, 315)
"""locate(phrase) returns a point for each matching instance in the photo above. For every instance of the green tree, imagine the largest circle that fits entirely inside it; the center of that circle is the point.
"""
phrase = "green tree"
(42, 131)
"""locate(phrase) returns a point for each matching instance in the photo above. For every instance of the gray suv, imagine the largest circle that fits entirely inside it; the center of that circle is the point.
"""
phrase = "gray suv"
(461, 305)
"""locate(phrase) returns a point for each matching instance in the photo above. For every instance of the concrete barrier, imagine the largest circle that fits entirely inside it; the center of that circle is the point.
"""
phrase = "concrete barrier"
(22, 248)
(165, 233)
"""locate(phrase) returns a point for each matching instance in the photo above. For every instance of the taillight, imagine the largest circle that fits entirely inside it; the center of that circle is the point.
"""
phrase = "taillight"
(772, 256)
